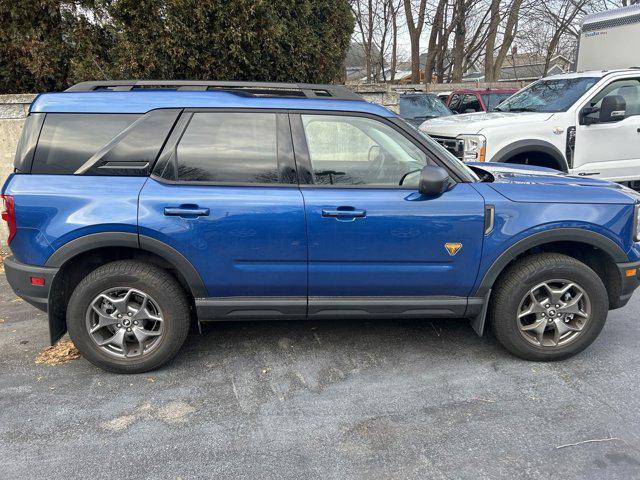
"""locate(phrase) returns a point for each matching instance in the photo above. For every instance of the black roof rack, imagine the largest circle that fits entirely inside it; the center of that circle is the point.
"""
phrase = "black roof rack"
(258, 89)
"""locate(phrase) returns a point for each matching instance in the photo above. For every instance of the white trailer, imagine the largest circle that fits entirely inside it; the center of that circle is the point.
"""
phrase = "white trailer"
(610, 40)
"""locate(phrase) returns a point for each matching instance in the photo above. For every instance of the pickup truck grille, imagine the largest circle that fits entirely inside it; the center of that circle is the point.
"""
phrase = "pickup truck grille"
(454, 145)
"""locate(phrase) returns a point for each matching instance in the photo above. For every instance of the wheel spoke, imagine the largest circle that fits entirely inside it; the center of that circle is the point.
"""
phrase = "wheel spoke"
(117, 339)
(104, 320)
(573, 306)
(535, 307)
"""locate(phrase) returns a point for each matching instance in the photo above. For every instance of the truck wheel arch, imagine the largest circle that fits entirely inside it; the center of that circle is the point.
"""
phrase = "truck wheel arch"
(537, 147)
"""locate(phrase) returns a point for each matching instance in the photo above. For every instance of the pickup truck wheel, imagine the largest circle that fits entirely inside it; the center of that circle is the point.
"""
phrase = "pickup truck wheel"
(128, 317)
(548, 307)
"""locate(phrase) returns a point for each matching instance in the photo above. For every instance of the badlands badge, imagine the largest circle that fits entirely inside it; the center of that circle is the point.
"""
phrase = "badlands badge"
(453, 248)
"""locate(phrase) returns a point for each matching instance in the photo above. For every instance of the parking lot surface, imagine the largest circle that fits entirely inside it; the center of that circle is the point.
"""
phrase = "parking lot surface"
(351, 399)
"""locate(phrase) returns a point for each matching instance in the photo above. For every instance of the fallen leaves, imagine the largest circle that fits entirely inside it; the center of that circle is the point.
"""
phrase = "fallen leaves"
(62, 352)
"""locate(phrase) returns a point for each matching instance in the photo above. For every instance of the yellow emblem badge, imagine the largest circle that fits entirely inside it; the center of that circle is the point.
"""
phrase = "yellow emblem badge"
(453, 248)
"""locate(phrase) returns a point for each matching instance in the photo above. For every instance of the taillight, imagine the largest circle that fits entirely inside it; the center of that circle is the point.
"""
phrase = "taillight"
(9, 215)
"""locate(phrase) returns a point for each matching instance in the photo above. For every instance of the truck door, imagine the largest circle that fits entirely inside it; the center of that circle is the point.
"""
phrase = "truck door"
(611, 150)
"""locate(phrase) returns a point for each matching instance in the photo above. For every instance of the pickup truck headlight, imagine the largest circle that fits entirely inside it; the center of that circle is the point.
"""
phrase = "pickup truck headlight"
(474, 148)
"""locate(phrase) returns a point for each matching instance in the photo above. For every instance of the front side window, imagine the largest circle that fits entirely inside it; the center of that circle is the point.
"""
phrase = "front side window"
(229, 148)
(454, 101)
(360, 151)
(68, 140)
(470, 104)
(629, 89)
(548, 95)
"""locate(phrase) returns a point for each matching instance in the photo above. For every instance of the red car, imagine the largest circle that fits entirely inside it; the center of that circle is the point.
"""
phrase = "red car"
(471, 100)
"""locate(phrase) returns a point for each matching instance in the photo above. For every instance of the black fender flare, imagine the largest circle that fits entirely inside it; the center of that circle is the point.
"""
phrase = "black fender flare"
(131, 240)
(531, 145)
(588, 237)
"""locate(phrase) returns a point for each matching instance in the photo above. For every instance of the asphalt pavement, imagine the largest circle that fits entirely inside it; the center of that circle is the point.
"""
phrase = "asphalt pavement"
(323, 399)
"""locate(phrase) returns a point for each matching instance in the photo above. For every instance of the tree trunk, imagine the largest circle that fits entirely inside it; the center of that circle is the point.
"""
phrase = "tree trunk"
(458, 42)
(509, 34)
(432, 48)
(394, 42)
(415, 30)
(494, 22)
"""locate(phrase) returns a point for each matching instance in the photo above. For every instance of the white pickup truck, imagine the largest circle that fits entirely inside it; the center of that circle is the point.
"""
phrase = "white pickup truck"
(583, 123)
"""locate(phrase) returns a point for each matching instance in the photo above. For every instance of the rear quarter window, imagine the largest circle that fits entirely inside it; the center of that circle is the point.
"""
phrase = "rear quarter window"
(68, 140)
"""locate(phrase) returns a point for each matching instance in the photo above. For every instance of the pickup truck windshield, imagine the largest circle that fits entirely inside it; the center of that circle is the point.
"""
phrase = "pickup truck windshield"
(548, 95)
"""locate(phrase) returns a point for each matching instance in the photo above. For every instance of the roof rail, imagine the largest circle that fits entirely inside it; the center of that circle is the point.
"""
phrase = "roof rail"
(258, 89)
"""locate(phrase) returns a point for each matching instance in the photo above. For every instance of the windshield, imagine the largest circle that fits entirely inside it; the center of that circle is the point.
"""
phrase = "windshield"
(492, 100)
(455, 163)
(422, 106)
(548, 95)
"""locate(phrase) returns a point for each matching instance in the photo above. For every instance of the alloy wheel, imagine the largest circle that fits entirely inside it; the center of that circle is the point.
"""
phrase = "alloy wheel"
(125, 322)
(554, 313)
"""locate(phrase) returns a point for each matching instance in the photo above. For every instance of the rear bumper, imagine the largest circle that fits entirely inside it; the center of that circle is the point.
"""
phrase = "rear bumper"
(19, 277)
(628, 283)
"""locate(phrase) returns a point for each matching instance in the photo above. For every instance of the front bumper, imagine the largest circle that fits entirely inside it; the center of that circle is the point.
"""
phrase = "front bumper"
(628, 283)
(19, 276)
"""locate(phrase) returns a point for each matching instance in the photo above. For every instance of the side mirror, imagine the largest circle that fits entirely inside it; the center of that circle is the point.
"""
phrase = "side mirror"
(434, 181)
(613, 109)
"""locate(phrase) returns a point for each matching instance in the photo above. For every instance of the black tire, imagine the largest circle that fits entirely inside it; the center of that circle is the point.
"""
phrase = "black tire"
(153, 281)
(524, 275)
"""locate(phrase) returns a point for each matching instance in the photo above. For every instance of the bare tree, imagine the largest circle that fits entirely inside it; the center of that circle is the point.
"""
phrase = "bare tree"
(494, 59)
(364, 12)
(415, 30)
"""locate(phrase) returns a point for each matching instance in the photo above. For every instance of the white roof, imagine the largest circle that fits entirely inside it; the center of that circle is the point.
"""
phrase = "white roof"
(610, 15)
(589, 73)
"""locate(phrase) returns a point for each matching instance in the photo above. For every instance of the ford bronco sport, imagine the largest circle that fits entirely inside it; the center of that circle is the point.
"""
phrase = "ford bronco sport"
(138, 206)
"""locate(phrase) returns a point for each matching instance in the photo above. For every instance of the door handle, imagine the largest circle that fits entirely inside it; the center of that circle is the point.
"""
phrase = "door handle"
(186, 211)
(343, 212)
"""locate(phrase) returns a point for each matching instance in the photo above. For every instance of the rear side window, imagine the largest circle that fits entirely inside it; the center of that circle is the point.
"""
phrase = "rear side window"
(229, 148)
(68, 140)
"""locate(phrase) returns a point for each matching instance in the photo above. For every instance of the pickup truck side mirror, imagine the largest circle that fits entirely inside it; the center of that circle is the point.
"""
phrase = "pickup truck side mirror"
(613, 109)
(434, 181)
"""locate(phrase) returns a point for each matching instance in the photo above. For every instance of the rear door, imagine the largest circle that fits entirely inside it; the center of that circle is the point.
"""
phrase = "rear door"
(224, 194)
(377, 247)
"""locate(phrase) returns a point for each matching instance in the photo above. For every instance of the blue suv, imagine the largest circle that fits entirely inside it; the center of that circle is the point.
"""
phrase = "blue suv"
(137, 207)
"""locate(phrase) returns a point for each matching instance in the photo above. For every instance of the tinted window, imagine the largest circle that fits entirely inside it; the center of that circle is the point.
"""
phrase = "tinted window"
(454, 100)
(469, 104)
(229, 148)
(360, 151)
(68, 140)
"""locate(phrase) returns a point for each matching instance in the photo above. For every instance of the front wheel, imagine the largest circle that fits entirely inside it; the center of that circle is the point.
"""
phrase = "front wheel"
(548, 307)
(128, 317)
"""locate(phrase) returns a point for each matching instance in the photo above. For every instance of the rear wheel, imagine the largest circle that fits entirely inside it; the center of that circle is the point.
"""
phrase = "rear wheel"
(548, 307)
(128, 317)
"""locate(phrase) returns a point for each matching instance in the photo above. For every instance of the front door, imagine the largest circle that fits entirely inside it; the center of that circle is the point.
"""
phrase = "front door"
(376, 246)
(611, 150)
(224, 195)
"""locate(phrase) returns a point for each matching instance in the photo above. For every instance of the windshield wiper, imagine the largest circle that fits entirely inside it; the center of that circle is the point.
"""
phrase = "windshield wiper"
(521, 109)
